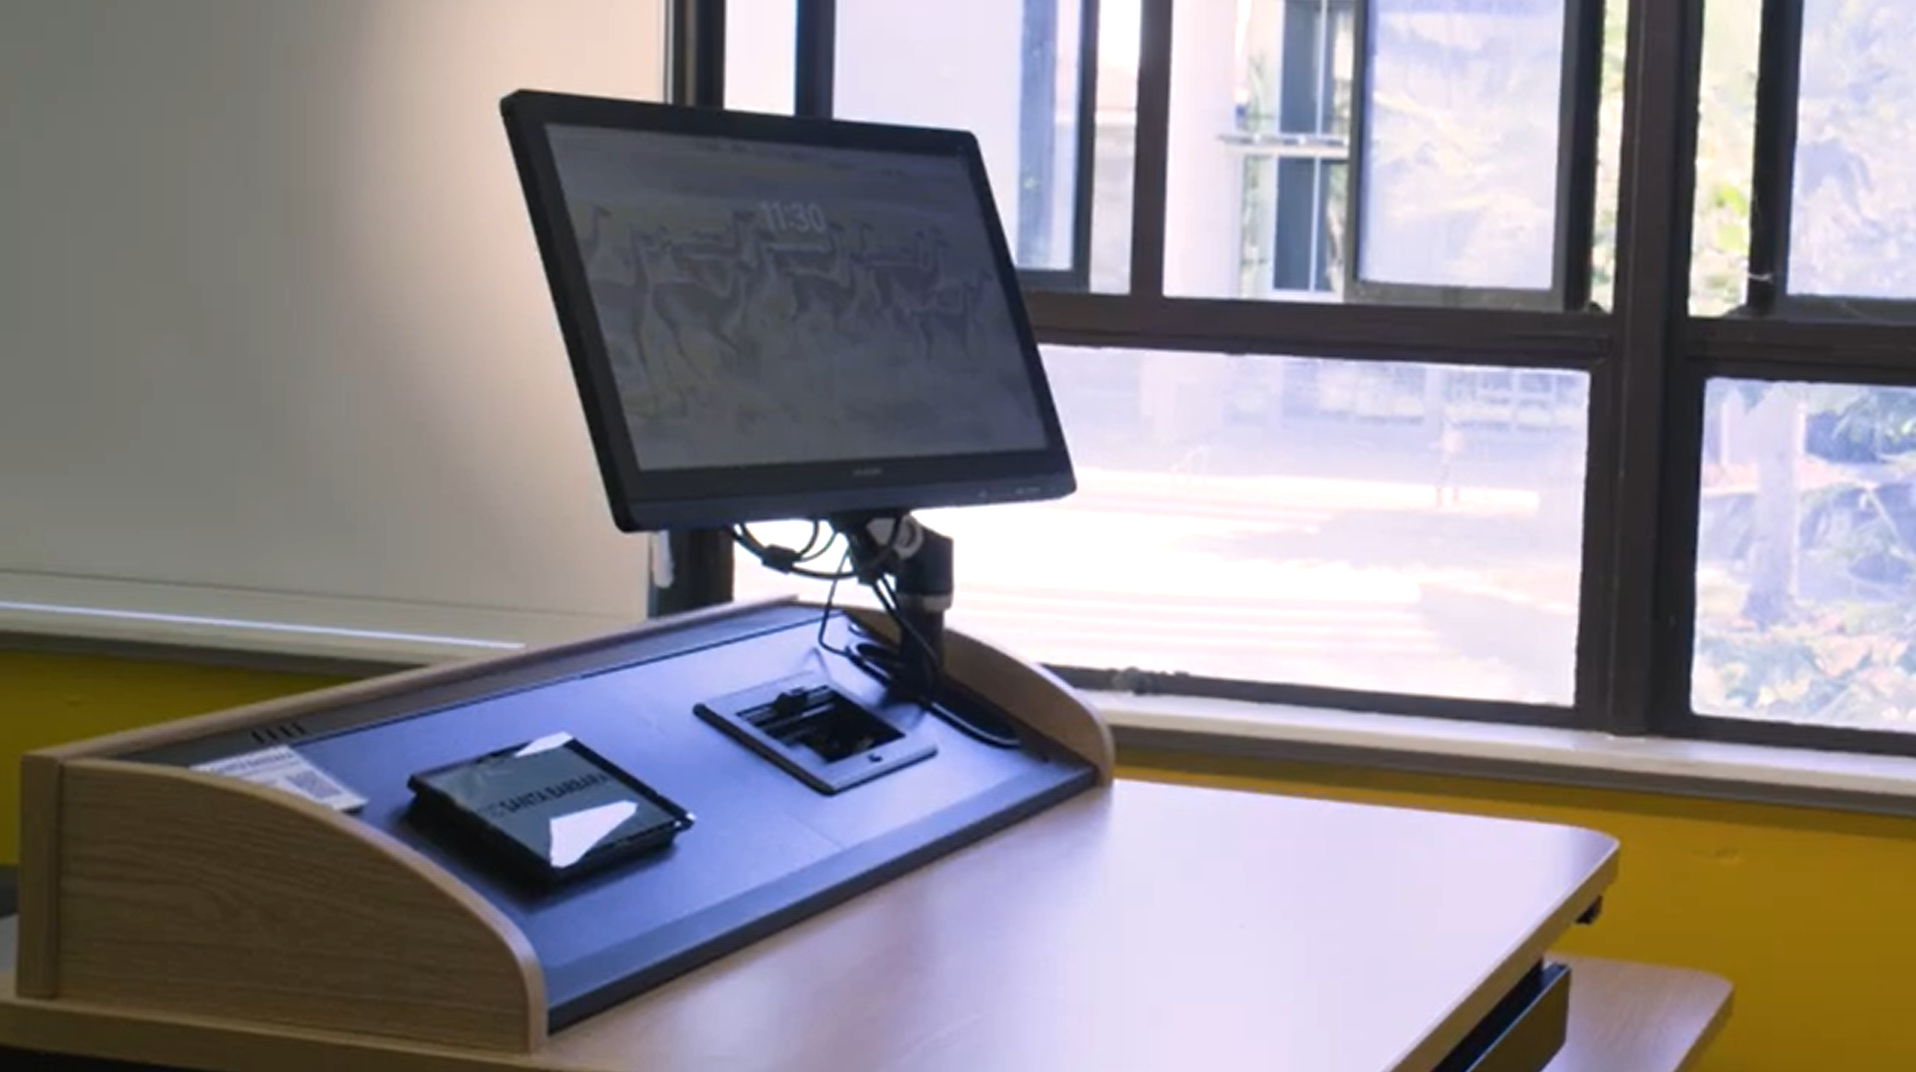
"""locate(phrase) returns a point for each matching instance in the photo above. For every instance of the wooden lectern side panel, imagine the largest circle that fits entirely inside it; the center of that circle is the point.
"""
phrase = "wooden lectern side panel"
(39, 886)
(1028, 692)
(194, 894)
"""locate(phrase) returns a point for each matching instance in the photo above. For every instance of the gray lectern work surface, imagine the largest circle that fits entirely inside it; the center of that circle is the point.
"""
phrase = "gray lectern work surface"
(764, 849)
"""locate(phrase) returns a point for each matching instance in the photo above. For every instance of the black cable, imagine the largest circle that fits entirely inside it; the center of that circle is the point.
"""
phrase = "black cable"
(813, 549)
(787, 560)
(825, 617)
(870, 570)
(888, 598)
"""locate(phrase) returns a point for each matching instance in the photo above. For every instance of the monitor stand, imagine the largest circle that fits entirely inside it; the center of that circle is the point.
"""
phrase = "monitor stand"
(697, 572)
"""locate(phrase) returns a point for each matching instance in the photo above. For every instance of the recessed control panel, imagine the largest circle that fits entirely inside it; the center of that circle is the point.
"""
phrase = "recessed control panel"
(825, 738)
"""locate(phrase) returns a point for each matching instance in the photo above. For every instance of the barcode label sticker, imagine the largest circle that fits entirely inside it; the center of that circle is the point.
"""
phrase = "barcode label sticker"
(282, 768)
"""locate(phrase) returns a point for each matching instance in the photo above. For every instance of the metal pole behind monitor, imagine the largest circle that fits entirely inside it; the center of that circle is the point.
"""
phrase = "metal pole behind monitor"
(701, 559)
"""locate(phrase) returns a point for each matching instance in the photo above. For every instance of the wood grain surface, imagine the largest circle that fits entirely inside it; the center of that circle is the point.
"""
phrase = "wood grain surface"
(1140, 927)
(37, 889)
(1036, 696)
(1146, 927)
(189, 893)
(1639, 1017)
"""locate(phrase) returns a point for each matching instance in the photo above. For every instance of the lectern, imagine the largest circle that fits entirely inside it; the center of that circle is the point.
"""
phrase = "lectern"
(1000, 907)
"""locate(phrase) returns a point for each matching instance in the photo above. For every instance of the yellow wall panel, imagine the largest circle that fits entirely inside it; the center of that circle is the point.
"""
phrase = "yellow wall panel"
(51, 699)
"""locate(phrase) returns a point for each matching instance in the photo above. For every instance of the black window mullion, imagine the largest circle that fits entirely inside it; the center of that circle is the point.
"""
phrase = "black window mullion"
(815, 67)
(1805, 350)
(696, 64)
(1631, 648)
(1388, 333)
(702, 573)
(1773, 174)
(1086, 159)
(1153, 148)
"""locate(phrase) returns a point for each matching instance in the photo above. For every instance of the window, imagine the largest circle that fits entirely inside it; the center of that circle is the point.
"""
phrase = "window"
(760, 55)
(1801, 593)
(1853, 196)
(1467, 171)
(1449, 358)
(1291, 128)
(1806, 554)
(1358, 525)
(1726, 147)
(1338, 109)
(1032, 116)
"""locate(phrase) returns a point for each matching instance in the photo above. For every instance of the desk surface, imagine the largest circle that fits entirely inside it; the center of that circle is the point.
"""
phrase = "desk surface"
(1140, 927)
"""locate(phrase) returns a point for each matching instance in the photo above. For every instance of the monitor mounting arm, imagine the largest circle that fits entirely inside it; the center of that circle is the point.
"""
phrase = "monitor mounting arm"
(918, 560)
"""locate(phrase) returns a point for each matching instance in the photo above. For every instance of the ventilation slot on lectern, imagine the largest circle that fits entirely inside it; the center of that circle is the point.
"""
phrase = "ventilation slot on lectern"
(828, 740)
(281, 733)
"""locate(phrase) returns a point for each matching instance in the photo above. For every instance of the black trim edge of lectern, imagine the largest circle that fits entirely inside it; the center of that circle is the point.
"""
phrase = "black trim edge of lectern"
(1524, 1031)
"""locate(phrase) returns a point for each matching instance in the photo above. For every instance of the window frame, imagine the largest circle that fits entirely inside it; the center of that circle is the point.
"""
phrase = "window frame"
(1282, 146)
(1076, 275)
(1775, 336)
(1648, 362)
(1773, 187)
(813, 93)
(1579, 103)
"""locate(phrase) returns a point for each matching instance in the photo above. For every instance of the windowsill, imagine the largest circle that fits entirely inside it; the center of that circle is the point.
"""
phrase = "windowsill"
(289, 627)
(1198, 727)
(1221, 728)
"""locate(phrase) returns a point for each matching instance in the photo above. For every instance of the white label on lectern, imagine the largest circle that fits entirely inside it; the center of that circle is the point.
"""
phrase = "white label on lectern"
(282, 768)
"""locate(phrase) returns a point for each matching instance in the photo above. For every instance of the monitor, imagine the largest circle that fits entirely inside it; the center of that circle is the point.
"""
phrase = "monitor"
(780, 318)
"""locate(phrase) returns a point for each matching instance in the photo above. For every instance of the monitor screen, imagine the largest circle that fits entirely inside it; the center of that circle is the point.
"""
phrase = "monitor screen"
(781, 318)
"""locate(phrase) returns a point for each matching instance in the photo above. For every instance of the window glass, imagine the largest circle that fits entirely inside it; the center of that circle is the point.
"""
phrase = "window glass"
(1259, 148)
(1853, 217)
(1462, 141)
(1725, 150)
(1806, 555)
(1006, 70)
(1391, 527)
(761, 42)
(1115, 163)
(1461, 176)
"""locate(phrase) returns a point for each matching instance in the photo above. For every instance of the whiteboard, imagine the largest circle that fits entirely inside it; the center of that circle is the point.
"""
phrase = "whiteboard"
(277, 360)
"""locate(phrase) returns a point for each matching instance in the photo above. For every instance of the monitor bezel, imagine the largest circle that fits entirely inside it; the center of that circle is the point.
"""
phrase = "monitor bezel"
(642, 499)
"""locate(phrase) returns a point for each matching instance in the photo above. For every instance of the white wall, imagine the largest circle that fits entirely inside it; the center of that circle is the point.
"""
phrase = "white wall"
(274, 339)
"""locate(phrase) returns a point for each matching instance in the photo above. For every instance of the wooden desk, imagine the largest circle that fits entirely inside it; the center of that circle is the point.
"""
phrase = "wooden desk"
(1137, 927)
